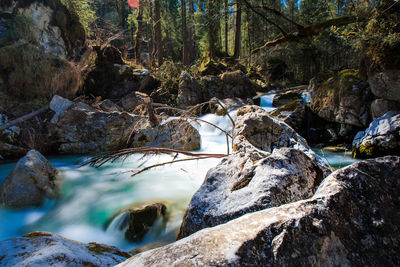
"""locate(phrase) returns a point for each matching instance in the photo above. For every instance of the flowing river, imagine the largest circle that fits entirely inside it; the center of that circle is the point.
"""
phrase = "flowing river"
(91, 196)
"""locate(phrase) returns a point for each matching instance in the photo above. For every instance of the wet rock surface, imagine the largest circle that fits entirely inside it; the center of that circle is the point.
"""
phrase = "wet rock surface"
(32, 180)
(382, 137)
(352, 219)
(47, 249)
(135, 222)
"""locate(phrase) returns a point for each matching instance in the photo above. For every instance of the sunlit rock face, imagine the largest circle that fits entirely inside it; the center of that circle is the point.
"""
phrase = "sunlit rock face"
(382, 137)
(352, 220)
(271, 165)
(32, 180)
(47, 249)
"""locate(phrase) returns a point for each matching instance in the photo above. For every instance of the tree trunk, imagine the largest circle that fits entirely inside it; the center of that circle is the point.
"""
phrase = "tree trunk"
(185, 57)
(152, 48)
(158, 33)
(192, 49)
(226, 26)
(138, 38)
(212, 35)
(238, 29)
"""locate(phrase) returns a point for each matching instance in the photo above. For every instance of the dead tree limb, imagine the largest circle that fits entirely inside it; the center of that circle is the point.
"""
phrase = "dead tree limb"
(309, 31)
(23, 118)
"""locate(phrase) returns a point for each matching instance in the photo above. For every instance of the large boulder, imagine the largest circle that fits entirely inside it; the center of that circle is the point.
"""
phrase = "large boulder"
(47, 249)
(352, 220)
(343, 98)
(381, 106)
(172, 133)
(382, 137)
(386, 84)
(49, 24)
(136, 221)
(32, 180)
(82, 129)
(258, 175)
(134, 99)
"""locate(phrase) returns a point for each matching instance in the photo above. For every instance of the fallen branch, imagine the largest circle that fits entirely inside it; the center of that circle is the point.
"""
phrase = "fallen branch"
(173, 161)
(124, 153)
(23, 118)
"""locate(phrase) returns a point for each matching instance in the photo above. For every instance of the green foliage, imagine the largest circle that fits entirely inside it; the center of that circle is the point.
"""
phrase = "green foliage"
(381, 38)
(85, 11)
(19, 27)
(32, 73)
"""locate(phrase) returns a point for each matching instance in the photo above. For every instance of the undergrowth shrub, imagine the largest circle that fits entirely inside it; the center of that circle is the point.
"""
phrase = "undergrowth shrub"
(28, 72)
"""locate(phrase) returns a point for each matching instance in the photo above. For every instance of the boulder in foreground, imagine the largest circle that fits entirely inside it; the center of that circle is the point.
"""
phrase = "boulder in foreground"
(352, 220)
(47, 249)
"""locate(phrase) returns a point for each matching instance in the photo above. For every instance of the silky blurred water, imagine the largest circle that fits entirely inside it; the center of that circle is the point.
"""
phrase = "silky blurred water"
(91, 196)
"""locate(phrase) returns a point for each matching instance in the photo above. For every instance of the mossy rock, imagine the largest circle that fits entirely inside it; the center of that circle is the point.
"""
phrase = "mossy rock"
(28, 73)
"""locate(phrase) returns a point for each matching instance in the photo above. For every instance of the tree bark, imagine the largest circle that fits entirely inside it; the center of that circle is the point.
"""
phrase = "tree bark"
(238, 29)
(192, 33)
(138, 38)
(226, 27)
(212, 34)
(160, 57)
(185, 58)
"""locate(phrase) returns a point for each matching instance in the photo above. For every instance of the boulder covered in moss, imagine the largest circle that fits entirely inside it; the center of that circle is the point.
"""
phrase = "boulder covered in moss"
(32, 180)
(382, 137)
(46, 23)
(48, 249)
(343, 98)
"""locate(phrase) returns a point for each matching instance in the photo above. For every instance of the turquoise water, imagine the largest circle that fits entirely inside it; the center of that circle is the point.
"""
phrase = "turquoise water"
(91, 196)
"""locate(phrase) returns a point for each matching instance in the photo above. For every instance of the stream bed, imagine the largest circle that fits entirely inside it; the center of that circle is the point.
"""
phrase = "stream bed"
(91, 196)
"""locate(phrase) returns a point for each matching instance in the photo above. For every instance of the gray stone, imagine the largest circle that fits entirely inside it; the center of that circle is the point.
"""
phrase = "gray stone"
(352, 220)
(59, 105)
(268, 168)
(134, 99)
(382, 137)
(172, 133)
(386, 84)
(32, 180)
(83, 129)
(47, 249)
(381, 106)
